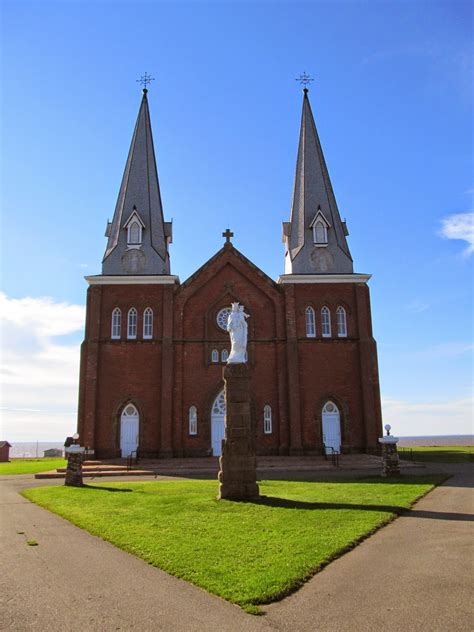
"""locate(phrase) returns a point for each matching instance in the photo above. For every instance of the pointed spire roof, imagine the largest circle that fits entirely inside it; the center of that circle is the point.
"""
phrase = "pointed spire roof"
(140, 194)
(313, 194)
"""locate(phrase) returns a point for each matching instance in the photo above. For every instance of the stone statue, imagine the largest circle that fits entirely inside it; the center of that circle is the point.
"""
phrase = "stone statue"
(237, 327)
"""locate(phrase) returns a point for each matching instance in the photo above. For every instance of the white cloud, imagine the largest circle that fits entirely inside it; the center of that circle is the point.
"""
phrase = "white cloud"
(460, 226)
(442, 350)
(429, 418)
(39, 374)
(417, 306)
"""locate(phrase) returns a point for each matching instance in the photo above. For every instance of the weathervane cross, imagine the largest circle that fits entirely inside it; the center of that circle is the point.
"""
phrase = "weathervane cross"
(304, 79)
(145, 80)
(227, 234)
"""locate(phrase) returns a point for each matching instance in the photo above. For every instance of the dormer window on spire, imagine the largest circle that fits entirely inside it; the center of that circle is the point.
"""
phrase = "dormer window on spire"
(134, 227)
(320, 227)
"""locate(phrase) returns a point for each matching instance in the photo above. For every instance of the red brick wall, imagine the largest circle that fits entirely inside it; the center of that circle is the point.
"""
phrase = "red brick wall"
(163, 377)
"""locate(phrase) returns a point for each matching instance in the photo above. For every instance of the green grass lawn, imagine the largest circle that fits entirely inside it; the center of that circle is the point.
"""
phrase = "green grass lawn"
(246, 552)
(31, 466)
(439, 454)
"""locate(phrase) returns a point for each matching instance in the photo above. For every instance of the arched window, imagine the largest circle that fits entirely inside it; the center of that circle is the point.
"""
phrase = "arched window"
(134, 233)
(310, 323)
(326, 322)
(224, 355)
(132, 323)
(320, 232)
(116, 323)
(193, 420)
(267, 419)
(341, 322)
(148, 323)
(214, 355)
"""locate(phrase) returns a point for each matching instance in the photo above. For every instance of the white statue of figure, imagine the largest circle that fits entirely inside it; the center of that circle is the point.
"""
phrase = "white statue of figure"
(237, 327)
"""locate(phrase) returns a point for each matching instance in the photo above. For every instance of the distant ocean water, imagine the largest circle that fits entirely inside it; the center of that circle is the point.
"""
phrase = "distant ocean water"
(437, 440)
(32, 449)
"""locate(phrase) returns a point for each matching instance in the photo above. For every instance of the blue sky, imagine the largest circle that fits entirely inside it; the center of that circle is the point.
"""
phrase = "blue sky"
(392, 99)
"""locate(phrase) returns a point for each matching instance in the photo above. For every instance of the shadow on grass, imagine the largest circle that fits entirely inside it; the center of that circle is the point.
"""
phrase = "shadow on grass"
(108, 489)
(273, 501)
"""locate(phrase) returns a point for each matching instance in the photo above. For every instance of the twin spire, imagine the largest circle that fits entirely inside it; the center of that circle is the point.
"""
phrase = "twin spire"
(315, 236)
(138, 236)
(143, 249)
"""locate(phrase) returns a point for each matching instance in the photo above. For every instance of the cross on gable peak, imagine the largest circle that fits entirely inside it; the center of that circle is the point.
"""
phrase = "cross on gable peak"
(227, 234)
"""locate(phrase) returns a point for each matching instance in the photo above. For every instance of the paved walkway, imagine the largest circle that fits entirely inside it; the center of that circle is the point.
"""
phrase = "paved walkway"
(414, 575)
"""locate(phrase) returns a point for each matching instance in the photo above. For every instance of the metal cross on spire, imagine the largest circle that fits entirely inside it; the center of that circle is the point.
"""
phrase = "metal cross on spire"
(304, 79)
(145, 80)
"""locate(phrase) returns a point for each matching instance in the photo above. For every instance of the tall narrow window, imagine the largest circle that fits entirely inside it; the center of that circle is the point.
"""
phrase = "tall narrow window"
(326, 322)
(193, 420)
(267, 419)
(224, 355)
(310, 323)
(148, 323)
(116, 323)
(215, 355)
(341, 322)
(132, 323)
(134, 233)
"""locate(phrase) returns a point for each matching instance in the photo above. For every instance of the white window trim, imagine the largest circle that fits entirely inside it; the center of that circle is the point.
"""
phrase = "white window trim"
(130, 312)
(267, 419)
(192, 421)
(341, 310)
(149, 336)
(116, 311)
(214, 356)
(320, 219)
(310, 311)
(325, 310)
(134, 217)
(224, 355)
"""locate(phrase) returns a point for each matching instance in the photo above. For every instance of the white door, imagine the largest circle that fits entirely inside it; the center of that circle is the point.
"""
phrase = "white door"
(331, 427)
(217, 424)
(129, 430)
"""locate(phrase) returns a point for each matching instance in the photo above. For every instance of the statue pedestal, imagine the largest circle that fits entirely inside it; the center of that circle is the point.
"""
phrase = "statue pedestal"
(390, 458)
(75, 457)
(238, 464)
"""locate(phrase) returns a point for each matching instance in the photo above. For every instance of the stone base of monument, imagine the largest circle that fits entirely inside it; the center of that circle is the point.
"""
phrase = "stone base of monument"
(390, 458)
(75, 458)
(238, 464)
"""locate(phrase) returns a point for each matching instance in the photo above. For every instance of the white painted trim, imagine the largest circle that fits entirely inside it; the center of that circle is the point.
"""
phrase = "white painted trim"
(146, 279)
(133, 216)
(323, 278)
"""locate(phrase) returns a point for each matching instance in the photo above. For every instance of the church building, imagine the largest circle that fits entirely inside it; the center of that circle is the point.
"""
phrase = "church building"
(154, 348)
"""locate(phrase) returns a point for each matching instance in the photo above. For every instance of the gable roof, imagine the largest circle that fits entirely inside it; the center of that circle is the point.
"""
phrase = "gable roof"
(229, 248)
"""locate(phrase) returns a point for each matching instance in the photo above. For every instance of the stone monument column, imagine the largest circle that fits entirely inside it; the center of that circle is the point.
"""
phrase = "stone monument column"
(75, 458)
(238, 463)
(390, 458)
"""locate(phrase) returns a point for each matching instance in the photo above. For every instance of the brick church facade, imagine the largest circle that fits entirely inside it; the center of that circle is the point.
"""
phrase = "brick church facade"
(154, 348)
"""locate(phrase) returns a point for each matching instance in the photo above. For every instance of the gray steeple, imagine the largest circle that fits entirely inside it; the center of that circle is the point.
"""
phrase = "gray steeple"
(138, 237)
(315, 236)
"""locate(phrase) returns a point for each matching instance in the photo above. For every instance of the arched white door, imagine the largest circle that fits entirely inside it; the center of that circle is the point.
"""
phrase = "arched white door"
(129, 422)
(331, 427)
(217, 423)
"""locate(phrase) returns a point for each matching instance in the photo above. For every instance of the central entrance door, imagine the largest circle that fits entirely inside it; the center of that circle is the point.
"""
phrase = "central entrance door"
(217, 423)
(331, 428)
(129, 430)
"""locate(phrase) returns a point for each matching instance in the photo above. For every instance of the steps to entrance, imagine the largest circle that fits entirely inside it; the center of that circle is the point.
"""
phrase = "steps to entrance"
(266, 466)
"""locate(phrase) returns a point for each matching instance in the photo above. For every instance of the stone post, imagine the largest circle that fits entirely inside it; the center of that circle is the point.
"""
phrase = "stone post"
(390, 459)
(75, 457)
(238, 464)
